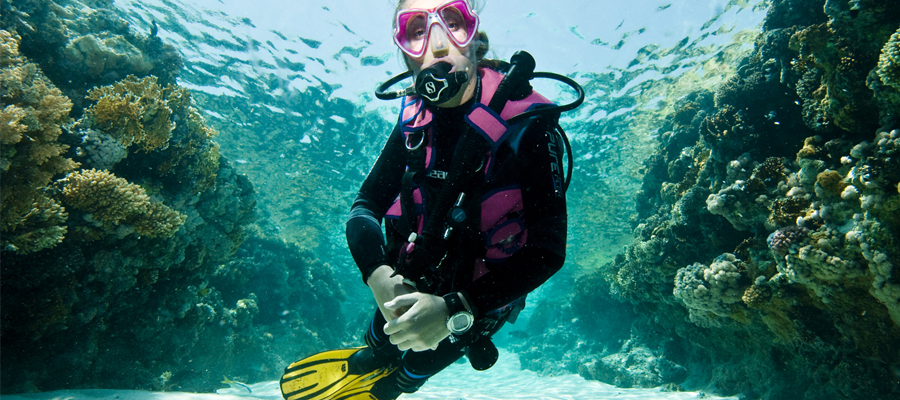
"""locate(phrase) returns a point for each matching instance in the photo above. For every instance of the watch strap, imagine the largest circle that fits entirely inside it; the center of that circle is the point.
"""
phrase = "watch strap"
(454, 304)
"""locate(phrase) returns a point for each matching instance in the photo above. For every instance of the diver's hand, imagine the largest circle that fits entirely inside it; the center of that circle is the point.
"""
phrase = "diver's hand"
(423, 326)
(385, 288)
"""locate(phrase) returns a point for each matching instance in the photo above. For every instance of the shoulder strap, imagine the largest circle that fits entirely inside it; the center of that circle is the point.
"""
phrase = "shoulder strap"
(481, 134)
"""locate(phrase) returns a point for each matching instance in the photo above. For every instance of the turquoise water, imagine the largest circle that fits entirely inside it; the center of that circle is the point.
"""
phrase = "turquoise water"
(290, 86)
(175, 179)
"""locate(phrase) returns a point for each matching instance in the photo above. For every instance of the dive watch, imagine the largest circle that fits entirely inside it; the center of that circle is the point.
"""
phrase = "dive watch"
(460, 320)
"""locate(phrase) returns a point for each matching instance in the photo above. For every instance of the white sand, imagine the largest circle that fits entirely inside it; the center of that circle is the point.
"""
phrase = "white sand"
(459, 381)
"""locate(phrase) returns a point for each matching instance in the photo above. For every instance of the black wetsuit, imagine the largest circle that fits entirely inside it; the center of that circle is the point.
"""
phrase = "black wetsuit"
(525, 158)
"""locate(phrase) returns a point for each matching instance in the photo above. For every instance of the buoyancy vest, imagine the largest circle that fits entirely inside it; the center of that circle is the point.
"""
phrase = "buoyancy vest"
(499, 226)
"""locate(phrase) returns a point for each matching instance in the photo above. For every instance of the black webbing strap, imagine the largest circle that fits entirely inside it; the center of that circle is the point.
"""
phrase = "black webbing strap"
(415, 165)
(430, 246)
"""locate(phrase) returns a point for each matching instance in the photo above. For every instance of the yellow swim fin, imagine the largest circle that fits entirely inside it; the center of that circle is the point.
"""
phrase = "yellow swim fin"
(346, 374)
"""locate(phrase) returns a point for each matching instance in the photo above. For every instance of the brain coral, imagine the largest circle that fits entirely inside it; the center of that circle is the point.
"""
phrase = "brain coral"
(99, 54)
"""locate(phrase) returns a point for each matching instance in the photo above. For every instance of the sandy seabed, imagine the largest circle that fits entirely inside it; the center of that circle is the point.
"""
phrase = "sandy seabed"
(505, 381)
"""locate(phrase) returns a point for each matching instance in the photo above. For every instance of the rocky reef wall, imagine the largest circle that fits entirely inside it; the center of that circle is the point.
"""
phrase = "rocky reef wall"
(122, 225)
(765, 255)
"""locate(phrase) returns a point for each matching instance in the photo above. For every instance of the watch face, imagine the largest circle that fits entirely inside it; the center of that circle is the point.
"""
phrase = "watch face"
(460, 322)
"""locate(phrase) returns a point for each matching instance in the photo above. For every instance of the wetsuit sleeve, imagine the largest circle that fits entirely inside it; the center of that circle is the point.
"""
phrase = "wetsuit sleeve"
(545, 220)
(365, 237)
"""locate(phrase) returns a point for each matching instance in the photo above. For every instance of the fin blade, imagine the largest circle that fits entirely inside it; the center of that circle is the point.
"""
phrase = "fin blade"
(323, 357)
(327, 376)
(318, 377)
(360, 387)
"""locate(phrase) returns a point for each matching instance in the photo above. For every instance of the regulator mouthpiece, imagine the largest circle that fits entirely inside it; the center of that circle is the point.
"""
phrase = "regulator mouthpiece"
(436, 85)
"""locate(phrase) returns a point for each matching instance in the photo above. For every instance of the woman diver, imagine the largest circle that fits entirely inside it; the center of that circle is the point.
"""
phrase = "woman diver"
(471, 190)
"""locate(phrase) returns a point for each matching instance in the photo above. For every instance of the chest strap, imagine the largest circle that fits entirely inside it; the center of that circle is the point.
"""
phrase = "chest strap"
(484, 130)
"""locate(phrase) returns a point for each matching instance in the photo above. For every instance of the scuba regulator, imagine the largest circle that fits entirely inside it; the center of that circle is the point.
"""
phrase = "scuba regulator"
(435, 84)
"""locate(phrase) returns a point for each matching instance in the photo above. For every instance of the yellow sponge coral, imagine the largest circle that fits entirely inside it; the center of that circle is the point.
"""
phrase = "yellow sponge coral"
(37, 226)
(134, 111)
(30, 153)
(111, 200)
(194, 149)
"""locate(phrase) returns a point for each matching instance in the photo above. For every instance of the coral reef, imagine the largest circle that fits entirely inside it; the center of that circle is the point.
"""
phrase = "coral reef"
(140, 112)
(709, 291)
(81, 46)
(117, 210)
(766, 237)
(888, 69)
(113, 202)
(134, 112)
(31, 156)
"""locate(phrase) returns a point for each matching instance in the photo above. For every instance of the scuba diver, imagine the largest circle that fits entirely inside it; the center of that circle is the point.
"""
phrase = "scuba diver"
(470, 187)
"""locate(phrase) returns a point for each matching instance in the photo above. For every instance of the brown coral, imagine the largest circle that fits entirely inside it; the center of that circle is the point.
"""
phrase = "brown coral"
(134, 111)
(112, 200)
(193, 148)
(770, 171)
(810, 147)
(786, 211)
(40, 227)
(107, 197)
(811, 39)
(158, 221)
(831, 181)
(30, 156)
(755, 296)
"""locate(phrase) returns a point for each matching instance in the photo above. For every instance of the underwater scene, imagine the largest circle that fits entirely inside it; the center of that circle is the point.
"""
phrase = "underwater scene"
(177, 179)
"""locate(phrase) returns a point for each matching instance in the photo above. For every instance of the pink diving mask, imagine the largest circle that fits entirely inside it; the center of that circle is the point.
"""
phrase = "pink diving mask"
(414, 26)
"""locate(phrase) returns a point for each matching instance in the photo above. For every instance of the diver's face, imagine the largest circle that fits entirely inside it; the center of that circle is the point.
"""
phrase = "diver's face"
(438, 46)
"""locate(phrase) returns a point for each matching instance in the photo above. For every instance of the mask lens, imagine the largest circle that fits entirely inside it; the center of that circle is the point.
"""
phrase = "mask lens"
(460, 22)
(411, 31)
(416, 26)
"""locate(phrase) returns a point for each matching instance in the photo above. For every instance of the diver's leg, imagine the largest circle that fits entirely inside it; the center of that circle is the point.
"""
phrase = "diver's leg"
(414, 367)
(417, 367)
(380, 342)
